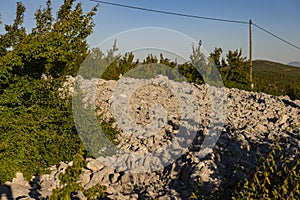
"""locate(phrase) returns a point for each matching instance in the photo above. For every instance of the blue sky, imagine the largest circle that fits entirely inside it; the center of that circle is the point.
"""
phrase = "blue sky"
(279, 17)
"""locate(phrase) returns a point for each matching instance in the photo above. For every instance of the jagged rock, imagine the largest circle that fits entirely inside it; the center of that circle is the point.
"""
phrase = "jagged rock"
(114, 177)
(19, 188)
(126, 178)
(85, 177)
(62, 167)
(95, 165)
(19, 179)
(81, 196)
(253, 122)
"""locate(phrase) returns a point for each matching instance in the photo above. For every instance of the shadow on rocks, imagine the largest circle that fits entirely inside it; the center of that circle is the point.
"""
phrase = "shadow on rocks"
(6, 192)
(35, 187)
(290, 103)
(234, 158)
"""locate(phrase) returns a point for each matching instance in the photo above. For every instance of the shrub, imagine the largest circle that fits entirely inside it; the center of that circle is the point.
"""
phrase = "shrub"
(277, 178)
(68, 181)
(37, 128)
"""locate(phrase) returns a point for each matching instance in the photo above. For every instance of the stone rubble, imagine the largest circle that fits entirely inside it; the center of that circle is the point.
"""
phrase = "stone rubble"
(253, 122)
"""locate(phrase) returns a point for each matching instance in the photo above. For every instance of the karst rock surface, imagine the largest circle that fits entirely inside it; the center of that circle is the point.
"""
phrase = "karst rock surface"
(253, 121)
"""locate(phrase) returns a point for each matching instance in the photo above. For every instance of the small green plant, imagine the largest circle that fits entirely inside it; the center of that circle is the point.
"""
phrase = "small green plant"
(198, 194)
(69, 184)
(68, 180)
(110, 132)
(95, 192)
(274, 179)
(277, 177)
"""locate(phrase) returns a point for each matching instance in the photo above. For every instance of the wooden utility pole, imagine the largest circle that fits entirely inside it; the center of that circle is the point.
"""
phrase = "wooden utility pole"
(250, 51)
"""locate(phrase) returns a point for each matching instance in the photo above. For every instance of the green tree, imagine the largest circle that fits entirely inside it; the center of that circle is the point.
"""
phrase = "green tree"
(112, 71)
(43, 20)
(55, 47)
(15, 32)
(36, 125)
(13, 35)
(235, 72)
(236, 65)
(150, 59)
(216, 56)
(206, 66)
(127, 63)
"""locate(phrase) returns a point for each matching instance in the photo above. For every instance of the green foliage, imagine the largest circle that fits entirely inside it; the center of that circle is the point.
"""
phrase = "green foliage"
(199, 66)
(99, 65)
(117, 65)
(194, 70)
(277, 177)
(112, 71)
(89, 130)
(150, 59)
(126, 63)
(203, 69)
(15, 32)
(36, 125)
(216, 56)
(198, 194)
(235, 72)
(110, 132)
(55, 47)
(68, 181)
(37, 128)
(276, 78)
(293, 90)
(273, 179)
(190, 73)
(95, 192)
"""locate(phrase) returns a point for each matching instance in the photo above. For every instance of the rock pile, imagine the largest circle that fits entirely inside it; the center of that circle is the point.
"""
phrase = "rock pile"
(253, 122)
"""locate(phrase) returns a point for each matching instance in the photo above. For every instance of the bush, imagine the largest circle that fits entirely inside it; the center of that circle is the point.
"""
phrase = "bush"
(37, 128)
(68, 181)
(277, 178)
(293, 90)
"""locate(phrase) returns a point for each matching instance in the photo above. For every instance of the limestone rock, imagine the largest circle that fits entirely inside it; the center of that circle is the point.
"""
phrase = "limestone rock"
(95, 165)
(252, 122)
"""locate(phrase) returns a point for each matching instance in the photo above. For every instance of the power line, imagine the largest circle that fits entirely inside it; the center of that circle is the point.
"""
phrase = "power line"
(279, 38)
(195, 16)
(171, 13)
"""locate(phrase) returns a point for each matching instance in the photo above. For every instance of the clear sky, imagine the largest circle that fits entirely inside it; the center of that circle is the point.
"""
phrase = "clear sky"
(280, 17)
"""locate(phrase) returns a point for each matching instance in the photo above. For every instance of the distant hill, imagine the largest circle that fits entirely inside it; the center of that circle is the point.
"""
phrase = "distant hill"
(265, 68)
(294, 63)
(276, 76)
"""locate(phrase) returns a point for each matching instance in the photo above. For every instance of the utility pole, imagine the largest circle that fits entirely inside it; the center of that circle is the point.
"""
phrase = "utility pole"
(250, 51)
